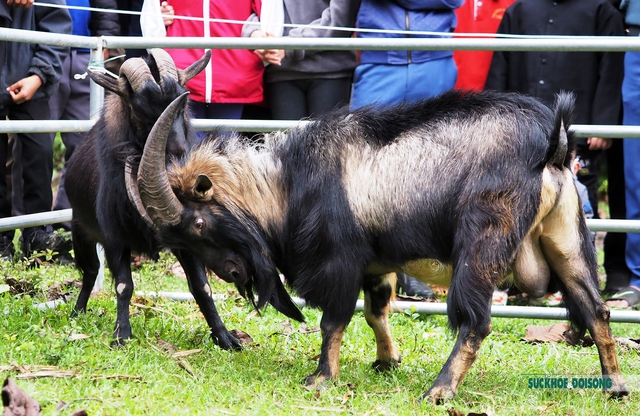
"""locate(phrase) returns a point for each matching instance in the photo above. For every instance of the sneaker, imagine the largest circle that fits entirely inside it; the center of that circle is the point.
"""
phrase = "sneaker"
(42, 240)
(550, 299)
(409, 286)
(6, 248)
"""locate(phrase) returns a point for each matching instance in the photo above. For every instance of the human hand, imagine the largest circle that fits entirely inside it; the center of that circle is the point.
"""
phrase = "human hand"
(24, 89)
(268, 56)
(598, 143)
(24, 4)
(167, 13)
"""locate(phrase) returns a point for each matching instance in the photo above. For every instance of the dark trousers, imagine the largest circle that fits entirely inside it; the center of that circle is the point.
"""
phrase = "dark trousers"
(295, 100)
(618, 274)
(35, 161)
(71, 102)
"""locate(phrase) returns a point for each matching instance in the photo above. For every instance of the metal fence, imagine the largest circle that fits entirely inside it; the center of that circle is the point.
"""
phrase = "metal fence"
(455, 42)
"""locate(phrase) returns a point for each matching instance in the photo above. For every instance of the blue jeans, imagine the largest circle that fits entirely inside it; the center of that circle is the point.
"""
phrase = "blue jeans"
(392, 84)
(631, 108)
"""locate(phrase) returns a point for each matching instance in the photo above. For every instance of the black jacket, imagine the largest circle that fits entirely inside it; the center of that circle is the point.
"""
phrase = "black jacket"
(105, 24)
(595, 77)
(19, 60)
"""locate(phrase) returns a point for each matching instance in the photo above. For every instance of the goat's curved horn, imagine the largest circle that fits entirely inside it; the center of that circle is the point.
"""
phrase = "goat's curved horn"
(131, 182)
(137, 72)
(184, 75)
(166, 66)
(157, 197)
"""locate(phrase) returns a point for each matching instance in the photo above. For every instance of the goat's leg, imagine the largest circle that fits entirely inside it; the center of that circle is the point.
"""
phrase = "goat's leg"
(377, 294)
(119, 261)
(201, 290)
(332, 326)
(574, 260)
(476, 269)
(87, 261)
(462, 357)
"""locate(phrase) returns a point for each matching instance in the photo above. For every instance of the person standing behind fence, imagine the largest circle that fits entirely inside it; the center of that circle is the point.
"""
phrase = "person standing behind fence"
(594, 77)
(629, 296)
(28, 78)
(477, 16)
(396, 76)
(233, 77)
(389, 77)
(71, 101)
(304, 83)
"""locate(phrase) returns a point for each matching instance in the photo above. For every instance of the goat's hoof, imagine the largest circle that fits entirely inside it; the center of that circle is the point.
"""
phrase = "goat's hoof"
(438, 395)
(618, 391)
(315, 380)
(232, 340)
(118, 343)
(386, 365)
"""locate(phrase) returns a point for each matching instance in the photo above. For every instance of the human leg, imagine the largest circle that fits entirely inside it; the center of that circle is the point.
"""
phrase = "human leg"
(288, 100)
(631, 148)
(618, 274)
(324, 95)
(36, 162)
(71, 103)
(6, 238)
(215, 111)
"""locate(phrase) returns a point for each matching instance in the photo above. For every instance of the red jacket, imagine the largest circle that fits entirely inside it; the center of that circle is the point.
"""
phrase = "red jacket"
(233, 75)
(477, 16)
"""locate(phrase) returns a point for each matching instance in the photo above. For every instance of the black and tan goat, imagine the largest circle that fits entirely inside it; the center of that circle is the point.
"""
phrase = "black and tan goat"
(96, 188)
(462, 190)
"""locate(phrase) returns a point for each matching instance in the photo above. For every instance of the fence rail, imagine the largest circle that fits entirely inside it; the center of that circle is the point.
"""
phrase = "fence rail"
(455, 42)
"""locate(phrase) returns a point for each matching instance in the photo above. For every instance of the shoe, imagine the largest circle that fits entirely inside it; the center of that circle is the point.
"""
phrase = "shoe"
(550, 299)
(6, 248)
(412, 287)
(629, 294)
(42, 240)
(617, 280)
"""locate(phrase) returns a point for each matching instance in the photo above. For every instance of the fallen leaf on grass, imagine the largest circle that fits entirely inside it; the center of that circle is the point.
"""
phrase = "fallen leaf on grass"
(456, 412)
(242, 336)
(77, 337)
(629, 343)
(556, 333)
(165, 345)
(184, 364)
(16, 402)
(114, 377)
(153, 308)
(185, 353)
(48, 373)
(552, 333)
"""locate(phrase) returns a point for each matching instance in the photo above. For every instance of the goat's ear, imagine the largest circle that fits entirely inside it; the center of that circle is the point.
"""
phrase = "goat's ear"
(106, 81)
(202, 185)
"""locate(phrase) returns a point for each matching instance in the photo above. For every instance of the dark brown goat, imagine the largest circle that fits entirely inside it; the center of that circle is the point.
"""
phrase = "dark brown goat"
(96, 188)
(462, 190)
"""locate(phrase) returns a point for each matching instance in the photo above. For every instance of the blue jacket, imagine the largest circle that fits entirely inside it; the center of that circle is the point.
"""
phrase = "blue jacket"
(414, 15)
(23, 59)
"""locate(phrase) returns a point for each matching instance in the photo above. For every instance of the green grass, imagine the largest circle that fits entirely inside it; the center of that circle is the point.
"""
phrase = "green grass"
(144, 378)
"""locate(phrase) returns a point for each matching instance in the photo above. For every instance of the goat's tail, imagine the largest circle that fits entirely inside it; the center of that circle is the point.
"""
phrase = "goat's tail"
(562, 141)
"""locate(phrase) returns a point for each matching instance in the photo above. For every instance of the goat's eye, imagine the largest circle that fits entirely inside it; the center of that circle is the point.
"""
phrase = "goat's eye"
(199, 223)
